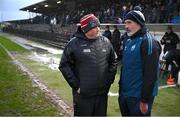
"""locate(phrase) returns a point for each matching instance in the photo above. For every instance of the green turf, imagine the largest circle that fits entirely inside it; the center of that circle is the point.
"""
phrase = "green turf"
(166, 103)
(18, 96)
(11, 46)
(55, 81)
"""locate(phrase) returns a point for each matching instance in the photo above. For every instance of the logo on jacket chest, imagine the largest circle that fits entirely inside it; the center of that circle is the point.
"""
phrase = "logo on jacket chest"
(86, 50)
(103, 50)
(133, 47)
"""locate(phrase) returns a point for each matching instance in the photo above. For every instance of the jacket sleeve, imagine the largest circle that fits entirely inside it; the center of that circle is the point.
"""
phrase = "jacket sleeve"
(175, 39)
(150, 66)
(164, 38)
(112, 64)
(67, 67)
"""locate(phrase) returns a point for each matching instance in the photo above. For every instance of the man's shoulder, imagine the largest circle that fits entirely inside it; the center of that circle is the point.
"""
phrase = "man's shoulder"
(150, 41)
(72, 42)
(175, 34)
(73, 39)
(149, 36)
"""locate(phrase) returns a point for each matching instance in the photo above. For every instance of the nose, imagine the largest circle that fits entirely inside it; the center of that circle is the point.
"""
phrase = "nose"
(126, 26)
(98, 28)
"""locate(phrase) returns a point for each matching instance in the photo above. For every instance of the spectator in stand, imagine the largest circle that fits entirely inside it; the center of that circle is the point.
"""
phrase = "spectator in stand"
(119, 20)
(124, 11)
(107, 33)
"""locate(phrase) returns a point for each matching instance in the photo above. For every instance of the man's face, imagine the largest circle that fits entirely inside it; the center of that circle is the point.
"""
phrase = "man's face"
(131, 27)
(93, 33)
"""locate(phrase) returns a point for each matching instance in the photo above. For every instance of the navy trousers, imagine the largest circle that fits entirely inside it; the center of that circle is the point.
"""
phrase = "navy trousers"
(130, 106)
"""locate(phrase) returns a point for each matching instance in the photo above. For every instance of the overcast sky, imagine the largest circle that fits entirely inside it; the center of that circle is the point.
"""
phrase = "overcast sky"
(9, 9)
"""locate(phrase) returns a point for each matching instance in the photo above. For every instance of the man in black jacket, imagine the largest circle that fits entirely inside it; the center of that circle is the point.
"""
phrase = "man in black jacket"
(89, 66)
(169, 40)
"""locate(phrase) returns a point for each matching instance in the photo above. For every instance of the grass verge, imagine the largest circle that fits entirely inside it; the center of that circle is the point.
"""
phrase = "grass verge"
(18, 96)
(167, 103)
(55, 81)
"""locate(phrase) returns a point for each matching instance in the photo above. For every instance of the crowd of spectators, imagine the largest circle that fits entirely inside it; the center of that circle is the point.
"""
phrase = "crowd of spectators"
(156, 11)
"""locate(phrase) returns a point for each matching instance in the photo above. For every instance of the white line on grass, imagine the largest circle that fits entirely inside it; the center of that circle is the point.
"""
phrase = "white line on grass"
(166, 86)
(113, 94)
(161, 87)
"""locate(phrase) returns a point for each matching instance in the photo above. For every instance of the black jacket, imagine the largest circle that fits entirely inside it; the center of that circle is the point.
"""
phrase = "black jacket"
(169, 41)
(89, 64)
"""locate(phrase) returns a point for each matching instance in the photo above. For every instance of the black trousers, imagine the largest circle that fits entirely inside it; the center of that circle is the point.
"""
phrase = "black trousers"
(91, 106)
(174, 70)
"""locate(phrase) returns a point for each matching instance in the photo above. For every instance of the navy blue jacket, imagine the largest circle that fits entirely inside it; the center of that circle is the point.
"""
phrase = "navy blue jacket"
(140, 64)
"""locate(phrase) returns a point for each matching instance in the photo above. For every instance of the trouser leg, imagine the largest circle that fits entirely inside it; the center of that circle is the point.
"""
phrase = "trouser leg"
(101, 105)
(130, 106)
(92, 106)
(134, 106)
(123, 106)
(82, 106)
(174, 72)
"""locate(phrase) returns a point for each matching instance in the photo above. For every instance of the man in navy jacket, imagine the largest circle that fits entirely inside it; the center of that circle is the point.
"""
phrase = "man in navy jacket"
(139, 73)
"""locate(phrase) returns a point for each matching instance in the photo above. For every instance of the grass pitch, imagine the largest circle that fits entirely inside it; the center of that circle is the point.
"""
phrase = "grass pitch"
(167, 103)
(18, 97)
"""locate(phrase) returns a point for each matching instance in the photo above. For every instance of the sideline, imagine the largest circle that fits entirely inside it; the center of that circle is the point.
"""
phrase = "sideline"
(159, 88)
(59, 103)
(166, 86)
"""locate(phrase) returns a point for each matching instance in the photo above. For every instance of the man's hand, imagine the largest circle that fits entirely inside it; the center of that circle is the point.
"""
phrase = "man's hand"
(143, 107)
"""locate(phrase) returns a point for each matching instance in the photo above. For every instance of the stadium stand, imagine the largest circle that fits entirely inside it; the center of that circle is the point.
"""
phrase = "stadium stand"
(59, 17)
(156, 11)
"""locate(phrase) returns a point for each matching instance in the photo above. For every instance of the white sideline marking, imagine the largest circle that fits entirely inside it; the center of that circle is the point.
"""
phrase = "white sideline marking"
(113, 94)
(161, 87)
(166, 86)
